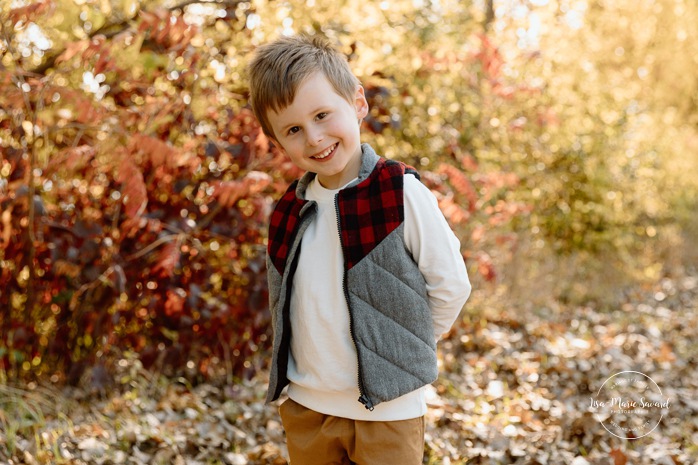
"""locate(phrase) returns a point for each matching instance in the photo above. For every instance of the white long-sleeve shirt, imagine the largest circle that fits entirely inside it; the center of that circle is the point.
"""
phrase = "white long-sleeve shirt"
(323, 366)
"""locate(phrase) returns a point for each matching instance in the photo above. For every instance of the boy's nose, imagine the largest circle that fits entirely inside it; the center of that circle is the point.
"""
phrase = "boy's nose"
(313, 137)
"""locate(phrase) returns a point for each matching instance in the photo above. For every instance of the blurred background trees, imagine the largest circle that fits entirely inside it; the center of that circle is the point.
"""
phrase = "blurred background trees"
(560, 137)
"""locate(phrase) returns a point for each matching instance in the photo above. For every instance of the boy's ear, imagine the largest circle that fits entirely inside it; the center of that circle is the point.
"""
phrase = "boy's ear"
(276, 143)
(360, 102)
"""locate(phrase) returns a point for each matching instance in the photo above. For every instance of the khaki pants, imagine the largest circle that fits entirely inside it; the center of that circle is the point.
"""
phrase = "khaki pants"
(317, 439)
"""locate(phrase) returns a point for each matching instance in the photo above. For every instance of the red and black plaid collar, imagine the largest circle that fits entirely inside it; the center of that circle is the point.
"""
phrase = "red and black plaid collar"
(371, 210)
(368, 212)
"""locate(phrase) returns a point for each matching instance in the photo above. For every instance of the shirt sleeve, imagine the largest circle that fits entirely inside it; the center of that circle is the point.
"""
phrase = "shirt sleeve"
(436, 249)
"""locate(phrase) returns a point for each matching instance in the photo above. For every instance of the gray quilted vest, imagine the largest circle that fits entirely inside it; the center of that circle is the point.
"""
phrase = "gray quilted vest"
(386, 293)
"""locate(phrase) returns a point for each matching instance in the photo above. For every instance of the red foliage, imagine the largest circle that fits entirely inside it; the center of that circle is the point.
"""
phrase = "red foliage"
(28, 12)
(487, 209)
(485, 266)
(166, 30)
(133, 243)
(461, 184)
(133, 187)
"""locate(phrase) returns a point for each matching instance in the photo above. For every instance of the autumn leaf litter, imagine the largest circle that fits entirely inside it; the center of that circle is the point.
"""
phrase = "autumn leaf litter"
(514, 389)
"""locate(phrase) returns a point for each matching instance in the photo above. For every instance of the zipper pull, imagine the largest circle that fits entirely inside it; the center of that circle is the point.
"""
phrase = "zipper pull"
(367, 402)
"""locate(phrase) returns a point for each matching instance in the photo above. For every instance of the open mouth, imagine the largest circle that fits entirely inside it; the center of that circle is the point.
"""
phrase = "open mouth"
(326, 153)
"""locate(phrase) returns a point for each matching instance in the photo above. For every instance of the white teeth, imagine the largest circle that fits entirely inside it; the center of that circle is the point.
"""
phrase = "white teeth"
(325, 153)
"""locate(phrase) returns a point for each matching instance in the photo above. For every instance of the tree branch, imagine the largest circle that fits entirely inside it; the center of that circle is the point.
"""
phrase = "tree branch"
(186, 3)
(152, 246)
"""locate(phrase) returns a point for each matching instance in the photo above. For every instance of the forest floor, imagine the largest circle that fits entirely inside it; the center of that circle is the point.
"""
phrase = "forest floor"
(516, 387)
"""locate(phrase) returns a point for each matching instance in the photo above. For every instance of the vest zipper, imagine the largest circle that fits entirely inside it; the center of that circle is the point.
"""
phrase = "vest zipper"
(363, 398)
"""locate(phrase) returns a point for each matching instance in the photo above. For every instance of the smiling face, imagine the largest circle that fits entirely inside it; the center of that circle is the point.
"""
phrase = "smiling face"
(319, 131)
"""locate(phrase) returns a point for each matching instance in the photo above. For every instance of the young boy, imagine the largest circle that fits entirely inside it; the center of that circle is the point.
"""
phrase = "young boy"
(364, 272)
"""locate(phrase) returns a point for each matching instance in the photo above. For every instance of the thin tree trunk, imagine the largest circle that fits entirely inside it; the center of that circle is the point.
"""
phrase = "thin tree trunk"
(489, 15)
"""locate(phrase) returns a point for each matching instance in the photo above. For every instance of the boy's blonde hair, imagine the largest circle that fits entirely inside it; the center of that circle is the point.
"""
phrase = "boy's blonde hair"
(280, 67)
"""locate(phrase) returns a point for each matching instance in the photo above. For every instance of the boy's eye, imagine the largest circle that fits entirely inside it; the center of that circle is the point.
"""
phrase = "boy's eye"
(321, 115)
(293, 130)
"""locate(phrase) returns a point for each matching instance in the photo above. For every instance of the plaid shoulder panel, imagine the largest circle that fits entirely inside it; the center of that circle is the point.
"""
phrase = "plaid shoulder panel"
(371, 210)
(282, 226)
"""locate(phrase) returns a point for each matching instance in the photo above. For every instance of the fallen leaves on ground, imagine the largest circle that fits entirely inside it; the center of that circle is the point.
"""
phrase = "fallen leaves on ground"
(515, 389)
